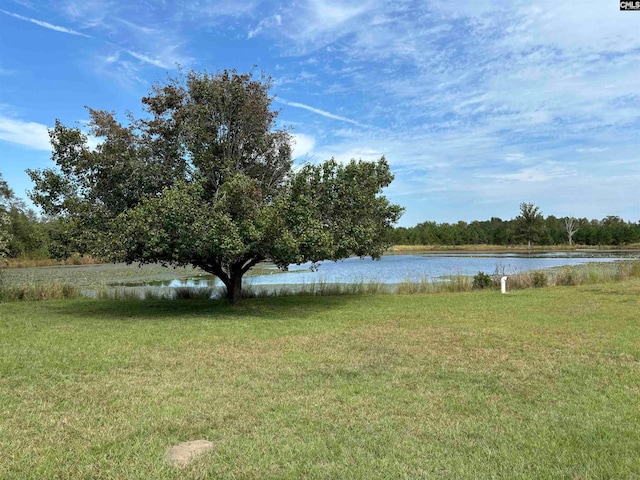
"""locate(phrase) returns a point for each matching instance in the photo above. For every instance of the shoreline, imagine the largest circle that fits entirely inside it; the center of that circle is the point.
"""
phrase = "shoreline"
(403, 249)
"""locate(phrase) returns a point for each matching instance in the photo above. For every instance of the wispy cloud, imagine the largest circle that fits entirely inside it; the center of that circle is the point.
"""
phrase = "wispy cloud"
(314, 24)
(28, 134)
(144, 29)
(25, 3)
(156, 62)
(319, 112)
(48, 25)
(472, 64)
(134, 36)
(476, 105)
(215, 11)
(535, 174)
(275, 20)
(123, 71)
(89, 14)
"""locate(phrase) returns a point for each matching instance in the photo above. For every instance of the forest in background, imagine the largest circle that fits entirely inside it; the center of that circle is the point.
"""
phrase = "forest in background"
(611, 230)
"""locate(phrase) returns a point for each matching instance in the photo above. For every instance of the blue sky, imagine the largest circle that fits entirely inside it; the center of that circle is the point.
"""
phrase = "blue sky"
(478, 106)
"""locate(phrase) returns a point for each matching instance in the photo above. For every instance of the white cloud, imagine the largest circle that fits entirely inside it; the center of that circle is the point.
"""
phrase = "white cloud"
(93, 142)
(214, 11)
(275, 20)
(345, 156)
(592, 150)
(303, 145)
(126, 73)
(311, 25)
(126, 66)
(510, 65)
(133, 36)
(331, 12)
(28, 134)
(143, 29)
(90, 14)
(156, 62)
(536, 174)
(45, 24)
(515, 158)
(319, 112)
(563, 24)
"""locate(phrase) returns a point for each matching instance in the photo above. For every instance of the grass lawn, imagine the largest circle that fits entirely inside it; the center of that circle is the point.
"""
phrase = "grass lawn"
(539, 383)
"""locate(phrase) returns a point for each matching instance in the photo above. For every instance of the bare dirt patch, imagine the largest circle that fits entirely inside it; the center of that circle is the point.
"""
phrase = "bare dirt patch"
(182, 454)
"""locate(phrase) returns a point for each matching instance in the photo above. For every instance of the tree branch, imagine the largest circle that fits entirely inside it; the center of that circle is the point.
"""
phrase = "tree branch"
(251, 263)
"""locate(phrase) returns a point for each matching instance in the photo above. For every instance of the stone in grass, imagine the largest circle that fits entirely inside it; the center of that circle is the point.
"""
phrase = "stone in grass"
(180, 455)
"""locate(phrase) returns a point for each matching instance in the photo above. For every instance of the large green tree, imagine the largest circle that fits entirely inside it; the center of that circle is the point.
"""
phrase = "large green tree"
(206, 179)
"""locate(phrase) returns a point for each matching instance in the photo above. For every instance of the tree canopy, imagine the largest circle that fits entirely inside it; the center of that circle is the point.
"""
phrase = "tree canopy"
(205, 179)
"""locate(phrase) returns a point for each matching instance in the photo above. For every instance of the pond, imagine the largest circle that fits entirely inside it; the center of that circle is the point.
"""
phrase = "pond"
(394, 269)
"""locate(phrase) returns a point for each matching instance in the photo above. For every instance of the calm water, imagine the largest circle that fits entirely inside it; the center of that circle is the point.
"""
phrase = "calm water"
(400, 268)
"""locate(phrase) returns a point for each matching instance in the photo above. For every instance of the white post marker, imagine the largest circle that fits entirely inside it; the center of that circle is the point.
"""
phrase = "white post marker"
(503, 284)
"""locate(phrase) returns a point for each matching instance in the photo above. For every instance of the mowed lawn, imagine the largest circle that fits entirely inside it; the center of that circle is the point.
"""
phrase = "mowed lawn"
(539, 383)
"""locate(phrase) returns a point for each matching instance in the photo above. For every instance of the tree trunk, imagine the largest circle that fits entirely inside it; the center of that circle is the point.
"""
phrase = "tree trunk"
(234, 287)
(231, 275)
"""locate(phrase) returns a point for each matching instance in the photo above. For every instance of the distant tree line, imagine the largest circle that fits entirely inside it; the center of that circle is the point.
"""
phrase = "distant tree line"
(611, 230)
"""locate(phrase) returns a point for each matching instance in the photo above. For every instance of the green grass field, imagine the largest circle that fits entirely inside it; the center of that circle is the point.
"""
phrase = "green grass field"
(540, 383)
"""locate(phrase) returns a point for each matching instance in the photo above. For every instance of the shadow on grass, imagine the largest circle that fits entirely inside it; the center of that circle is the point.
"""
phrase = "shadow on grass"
(268, 308)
